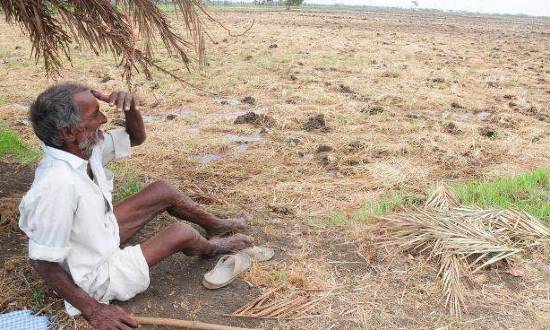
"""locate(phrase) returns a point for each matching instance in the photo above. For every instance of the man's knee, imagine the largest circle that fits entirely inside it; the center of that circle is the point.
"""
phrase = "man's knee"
(164, 189)
(183, 233)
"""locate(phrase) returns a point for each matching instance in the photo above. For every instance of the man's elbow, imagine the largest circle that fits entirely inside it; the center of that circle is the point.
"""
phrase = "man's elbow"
(138, 140)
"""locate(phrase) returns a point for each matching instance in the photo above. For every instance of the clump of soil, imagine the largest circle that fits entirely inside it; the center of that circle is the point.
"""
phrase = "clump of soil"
(438, 80)
(456, 105)
(315, 122)
(249, 100)
(452, 128)
(105, 78)
(345, 89)
(324, 148)
(326, 159)
(282, 210)
(293, 77)
(356, 145)
(414, 115)
(255, 119)
(373, 109)
(294, 141)
(273, 46)
(488, 131)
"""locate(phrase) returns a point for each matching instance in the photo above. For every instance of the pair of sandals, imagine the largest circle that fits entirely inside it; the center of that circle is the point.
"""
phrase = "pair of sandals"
(229, 267)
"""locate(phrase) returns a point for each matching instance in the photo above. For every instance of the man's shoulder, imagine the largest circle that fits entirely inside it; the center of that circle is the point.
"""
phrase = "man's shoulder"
(52, 174)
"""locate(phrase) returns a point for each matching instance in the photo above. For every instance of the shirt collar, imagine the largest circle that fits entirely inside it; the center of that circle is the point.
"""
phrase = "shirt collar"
(75, 161)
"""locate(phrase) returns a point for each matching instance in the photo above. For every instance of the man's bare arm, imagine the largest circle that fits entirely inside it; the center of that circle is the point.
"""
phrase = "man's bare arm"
(100, 316)
(129, 104)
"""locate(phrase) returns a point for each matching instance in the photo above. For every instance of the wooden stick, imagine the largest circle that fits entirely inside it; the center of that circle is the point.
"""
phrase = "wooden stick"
(184, 324)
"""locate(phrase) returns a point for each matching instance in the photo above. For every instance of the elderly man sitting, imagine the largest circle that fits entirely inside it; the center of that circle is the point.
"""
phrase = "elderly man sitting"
(75, 231)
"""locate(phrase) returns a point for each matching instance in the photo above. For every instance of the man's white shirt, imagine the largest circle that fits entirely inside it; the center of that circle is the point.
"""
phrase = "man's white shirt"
(69, 218)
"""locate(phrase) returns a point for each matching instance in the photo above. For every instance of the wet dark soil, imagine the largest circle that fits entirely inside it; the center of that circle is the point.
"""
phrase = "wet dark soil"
(249, 100)
(258, 120)
(315, 122)
(15, 179)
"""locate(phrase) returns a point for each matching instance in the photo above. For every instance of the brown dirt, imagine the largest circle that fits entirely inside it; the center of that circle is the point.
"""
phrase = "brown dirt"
(14, 179)
(315, 122)
(255, 119)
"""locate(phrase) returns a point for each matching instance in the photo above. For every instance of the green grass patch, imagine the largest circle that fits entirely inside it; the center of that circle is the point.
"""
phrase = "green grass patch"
(374, 208)
(130, 187)
(38, 298)
(529, 192)
(126, 184)
(12, 145)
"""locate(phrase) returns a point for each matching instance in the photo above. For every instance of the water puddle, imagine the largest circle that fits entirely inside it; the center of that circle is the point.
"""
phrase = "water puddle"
(241, 148)
(227, 101)
(151, 118)
(244, 139)
(208, 158)
(178, 113)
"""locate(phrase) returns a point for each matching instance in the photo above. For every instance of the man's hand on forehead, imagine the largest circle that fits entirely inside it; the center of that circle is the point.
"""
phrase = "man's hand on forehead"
(122, 100)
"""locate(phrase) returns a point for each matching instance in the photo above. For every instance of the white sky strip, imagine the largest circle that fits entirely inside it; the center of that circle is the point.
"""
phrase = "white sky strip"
(528, 7)
(513, 7)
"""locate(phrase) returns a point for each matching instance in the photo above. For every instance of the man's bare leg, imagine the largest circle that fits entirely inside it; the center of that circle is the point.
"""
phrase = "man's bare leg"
(136, 211)
(184, 238)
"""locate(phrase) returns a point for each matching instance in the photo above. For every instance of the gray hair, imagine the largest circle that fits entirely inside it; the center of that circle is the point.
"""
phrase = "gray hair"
(53, 110)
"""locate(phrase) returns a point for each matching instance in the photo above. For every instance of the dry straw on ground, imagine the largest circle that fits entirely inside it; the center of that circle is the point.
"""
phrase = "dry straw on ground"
(463, 240)
(275, 303)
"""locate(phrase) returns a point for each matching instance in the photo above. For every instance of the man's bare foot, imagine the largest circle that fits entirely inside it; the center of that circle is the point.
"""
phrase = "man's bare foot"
(231, 225)
(229, 244)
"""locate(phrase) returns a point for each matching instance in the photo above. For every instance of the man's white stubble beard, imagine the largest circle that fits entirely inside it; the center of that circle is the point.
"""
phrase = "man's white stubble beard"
(88, 144)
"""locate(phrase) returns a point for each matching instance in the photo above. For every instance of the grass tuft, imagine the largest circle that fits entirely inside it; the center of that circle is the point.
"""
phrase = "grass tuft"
(372, 209)
(126, 182)
(11, 145)
(529, 192)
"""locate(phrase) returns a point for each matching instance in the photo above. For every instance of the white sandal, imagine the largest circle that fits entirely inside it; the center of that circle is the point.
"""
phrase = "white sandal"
(226, 270)
(259, 253)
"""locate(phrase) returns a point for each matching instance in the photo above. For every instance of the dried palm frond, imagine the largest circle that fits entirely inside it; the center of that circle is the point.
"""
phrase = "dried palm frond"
(275, 304)
(52, 25)
(463, 240)
(451, 270)
(442, 198)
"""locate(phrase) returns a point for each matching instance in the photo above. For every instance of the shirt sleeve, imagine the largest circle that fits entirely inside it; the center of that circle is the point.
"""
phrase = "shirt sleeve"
(47, 215)
(115, 145)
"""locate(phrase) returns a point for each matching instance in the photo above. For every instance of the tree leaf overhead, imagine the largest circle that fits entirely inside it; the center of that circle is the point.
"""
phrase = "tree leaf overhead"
(125, 28)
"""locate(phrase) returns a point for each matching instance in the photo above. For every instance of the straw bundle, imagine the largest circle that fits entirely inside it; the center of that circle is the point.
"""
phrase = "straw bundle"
(463, 240)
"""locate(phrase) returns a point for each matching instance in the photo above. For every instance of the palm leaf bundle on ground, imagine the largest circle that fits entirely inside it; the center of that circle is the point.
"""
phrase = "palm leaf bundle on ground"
(105, 26)
(462, 240)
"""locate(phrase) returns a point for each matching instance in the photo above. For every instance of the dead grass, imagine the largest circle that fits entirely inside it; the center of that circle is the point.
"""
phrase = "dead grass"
(420, 74)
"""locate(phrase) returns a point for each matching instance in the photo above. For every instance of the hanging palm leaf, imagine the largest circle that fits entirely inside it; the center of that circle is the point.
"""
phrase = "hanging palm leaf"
(106, 26)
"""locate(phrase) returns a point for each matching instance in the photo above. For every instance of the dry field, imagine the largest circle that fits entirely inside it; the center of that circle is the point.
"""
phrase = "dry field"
(407, 99)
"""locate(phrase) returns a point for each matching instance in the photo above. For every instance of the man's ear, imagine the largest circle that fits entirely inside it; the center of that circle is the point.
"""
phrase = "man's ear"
(68, 134)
